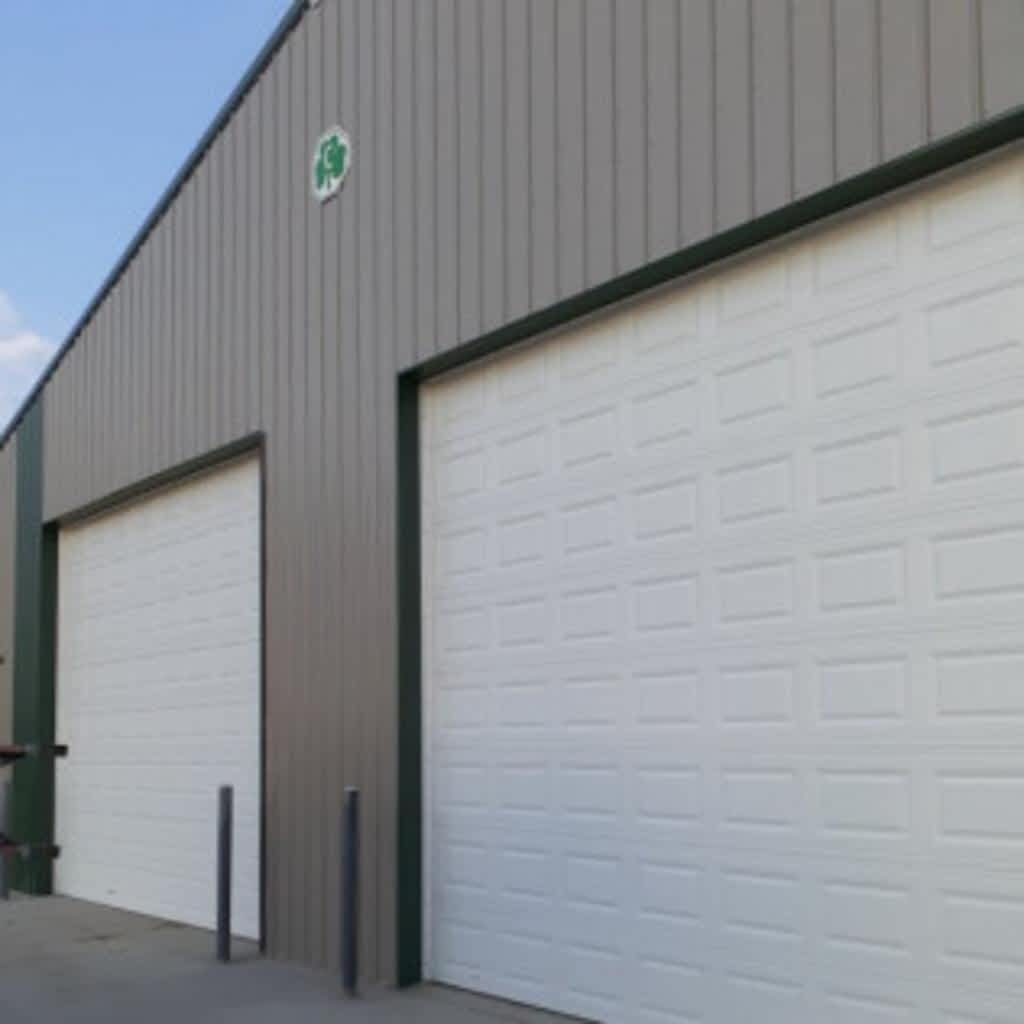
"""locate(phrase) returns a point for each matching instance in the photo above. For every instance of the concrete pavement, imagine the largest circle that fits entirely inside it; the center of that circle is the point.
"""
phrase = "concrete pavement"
(67, 962)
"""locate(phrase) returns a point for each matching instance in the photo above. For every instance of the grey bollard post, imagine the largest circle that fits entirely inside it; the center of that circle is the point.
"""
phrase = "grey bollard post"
(225, 817)
(5, 827)
(350, 892)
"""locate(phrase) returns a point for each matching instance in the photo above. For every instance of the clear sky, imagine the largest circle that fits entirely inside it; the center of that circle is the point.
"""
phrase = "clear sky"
(102, 101)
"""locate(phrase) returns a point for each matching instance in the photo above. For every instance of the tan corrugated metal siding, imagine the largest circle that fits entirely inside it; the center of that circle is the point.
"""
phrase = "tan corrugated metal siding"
(508, 153)
(8, 496)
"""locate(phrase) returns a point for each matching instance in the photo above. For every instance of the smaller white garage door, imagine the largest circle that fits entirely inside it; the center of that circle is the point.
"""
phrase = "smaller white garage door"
(158, 697)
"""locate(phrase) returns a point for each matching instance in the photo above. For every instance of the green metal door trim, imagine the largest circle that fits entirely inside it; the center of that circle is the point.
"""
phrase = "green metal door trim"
(35, 628)
(879, 181)
(846, 195)
(410, 700)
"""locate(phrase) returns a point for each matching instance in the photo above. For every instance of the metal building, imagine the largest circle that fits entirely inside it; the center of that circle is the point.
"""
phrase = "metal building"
(619, 480)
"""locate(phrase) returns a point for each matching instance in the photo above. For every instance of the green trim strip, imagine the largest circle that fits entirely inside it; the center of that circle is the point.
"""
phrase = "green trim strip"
(250, 443)
(410, 699)
(861, 188)
(34, 657)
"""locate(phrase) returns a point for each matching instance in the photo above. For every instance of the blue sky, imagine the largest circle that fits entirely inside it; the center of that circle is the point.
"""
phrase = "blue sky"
(102, 102)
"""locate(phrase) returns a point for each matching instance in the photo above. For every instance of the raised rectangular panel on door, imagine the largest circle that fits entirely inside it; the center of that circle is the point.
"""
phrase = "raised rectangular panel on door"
(722, 605)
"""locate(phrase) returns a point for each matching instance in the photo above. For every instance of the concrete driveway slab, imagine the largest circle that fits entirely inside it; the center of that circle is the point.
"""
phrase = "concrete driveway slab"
(68, 962)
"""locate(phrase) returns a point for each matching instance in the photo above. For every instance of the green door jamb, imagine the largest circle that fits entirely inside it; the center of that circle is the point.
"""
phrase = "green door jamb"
(35, 617)
(410, 749)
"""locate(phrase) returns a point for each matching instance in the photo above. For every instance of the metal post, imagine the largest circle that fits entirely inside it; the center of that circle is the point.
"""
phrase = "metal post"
(350, 892)
(224, 831)
(5, 827)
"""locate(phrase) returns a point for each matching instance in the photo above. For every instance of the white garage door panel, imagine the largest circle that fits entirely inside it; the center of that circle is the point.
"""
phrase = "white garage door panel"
(159, 699)
(724, 668)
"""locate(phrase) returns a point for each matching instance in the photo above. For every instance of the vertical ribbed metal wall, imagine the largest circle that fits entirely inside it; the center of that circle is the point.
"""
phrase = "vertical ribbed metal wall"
(508, 154)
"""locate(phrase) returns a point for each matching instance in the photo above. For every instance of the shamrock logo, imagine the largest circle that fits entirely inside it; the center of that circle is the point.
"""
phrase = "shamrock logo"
(331, 161)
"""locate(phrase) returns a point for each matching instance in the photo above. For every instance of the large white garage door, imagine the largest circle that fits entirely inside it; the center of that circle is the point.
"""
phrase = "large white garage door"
(724, 627)
(158, 697)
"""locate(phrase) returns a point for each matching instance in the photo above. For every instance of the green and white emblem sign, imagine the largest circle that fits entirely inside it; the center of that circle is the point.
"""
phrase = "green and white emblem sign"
(332, 159)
